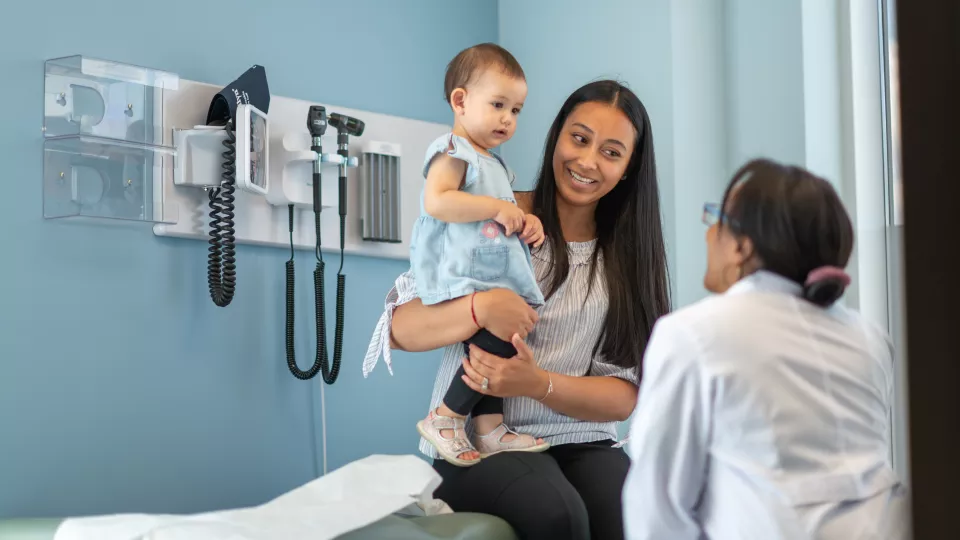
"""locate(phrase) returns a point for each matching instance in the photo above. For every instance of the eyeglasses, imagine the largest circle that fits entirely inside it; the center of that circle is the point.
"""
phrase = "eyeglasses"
(713, 215)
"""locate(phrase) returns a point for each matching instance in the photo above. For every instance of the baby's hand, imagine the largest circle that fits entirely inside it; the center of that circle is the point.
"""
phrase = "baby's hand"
(532, 230)
(510, 216)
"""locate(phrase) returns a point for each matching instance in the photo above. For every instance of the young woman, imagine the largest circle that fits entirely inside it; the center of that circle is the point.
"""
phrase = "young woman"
(764, 409)
(603, 272)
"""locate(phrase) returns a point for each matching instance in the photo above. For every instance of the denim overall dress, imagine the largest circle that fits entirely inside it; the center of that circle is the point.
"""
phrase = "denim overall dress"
(450, 260)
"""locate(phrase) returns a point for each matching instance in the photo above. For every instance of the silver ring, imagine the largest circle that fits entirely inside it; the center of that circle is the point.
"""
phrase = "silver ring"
(486, 384)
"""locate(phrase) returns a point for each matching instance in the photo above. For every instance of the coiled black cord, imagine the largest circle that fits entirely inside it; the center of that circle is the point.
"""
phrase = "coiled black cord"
(291, 350)
(221, 266)
(321, 362)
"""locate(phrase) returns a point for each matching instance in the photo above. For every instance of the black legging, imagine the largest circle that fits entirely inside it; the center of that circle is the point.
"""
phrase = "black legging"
(569, 492)
(462, 399)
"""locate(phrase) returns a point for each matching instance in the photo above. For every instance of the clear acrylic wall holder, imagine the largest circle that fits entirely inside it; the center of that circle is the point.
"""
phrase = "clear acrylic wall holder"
(104, 150)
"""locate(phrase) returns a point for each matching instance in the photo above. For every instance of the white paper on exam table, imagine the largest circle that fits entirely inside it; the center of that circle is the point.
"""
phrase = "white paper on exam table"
(344, 500)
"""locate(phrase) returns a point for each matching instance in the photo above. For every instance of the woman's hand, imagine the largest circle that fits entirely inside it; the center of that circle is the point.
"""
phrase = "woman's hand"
(507, 377)
(504, 313)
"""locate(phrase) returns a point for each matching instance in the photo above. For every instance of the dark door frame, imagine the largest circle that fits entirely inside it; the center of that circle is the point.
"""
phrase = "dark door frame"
(929, 57)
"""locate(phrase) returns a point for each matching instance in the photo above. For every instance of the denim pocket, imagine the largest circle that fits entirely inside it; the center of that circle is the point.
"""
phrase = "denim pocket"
(489, 262)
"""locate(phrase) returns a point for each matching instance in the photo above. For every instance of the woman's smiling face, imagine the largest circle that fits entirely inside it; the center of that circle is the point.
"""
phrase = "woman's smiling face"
(592, 153)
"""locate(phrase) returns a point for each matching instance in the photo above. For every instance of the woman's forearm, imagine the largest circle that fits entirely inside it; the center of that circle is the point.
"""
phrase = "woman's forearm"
(591, 398)
(418, 328)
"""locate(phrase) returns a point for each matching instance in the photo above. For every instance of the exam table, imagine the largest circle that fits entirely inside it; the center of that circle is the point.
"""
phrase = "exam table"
(458, 526)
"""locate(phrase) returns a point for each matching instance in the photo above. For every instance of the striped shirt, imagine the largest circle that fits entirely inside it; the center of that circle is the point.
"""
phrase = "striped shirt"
(562, 342)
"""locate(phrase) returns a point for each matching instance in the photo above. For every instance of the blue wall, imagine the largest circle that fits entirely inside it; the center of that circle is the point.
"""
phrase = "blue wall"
(122, 387)
(562, 47)
(765, 77)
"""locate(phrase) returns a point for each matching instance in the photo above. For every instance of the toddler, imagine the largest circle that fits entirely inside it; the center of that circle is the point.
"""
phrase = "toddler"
(472, 237)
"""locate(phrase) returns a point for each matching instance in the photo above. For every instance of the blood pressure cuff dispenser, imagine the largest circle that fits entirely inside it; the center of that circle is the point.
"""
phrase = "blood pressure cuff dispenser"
(250, 88)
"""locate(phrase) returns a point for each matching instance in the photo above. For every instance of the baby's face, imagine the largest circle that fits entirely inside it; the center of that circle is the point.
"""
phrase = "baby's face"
(491, 107)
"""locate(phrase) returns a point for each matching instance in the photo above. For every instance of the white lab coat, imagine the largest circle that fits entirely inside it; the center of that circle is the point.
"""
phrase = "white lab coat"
(762, 416)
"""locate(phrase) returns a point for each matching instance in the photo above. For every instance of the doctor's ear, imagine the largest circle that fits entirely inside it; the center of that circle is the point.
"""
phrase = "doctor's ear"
(747, 256)
(458, 99)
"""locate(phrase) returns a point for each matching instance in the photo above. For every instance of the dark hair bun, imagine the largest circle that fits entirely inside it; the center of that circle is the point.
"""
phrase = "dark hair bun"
(825, 292)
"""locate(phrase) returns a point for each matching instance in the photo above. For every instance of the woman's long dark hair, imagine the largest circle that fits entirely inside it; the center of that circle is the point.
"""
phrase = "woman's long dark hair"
(629, 233)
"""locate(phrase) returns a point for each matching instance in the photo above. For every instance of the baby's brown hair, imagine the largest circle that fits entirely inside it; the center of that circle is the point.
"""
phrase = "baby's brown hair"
(464, 67)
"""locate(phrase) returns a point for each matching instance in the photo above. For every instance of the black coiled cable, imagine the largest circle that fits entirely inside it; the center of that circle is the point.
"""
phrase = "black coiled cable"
(321, 362)
(221, 266)
(291, 349)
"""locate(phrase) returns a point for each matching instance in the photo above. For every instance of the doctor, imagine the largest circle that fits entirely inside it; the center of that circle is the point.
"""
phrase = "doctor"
(763, 411)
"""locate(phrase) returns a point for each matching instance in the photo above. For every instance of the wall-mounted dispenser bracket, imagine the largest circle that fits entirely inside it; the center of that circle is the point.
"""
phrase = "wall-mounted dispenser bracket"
(104, 150)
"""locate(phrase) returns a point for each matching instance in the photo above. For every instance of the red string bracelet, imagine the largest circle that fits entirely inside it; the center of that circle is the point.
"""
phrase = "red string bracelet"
(473, 313)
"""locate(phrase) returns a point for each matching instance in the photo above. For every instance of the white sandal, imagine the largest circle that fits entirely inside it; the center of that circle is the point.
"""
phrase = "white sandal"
(492, 443)
(449, 449)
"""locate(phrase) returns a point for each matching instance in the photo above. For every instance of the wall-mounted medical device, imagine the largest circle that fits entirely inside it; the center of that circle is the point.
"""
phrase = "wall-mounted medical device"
(230, 165)
(346, 126)
(244, 101)
(220, 159)
(237, 124)
(201, 161)
(263, 221)
(380, 192)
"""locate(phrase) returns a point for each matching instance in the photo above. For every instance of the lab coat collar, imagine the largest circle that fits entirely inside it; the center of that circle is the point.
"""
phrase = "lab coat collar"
(764, 280)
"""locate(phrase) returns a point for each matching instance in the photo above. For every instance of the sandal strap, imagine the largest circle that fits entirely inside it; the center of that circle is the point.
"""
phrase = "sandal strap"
(457, 444)
(508, 431)
(493, 441)
(499, 433)
(446, 422)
